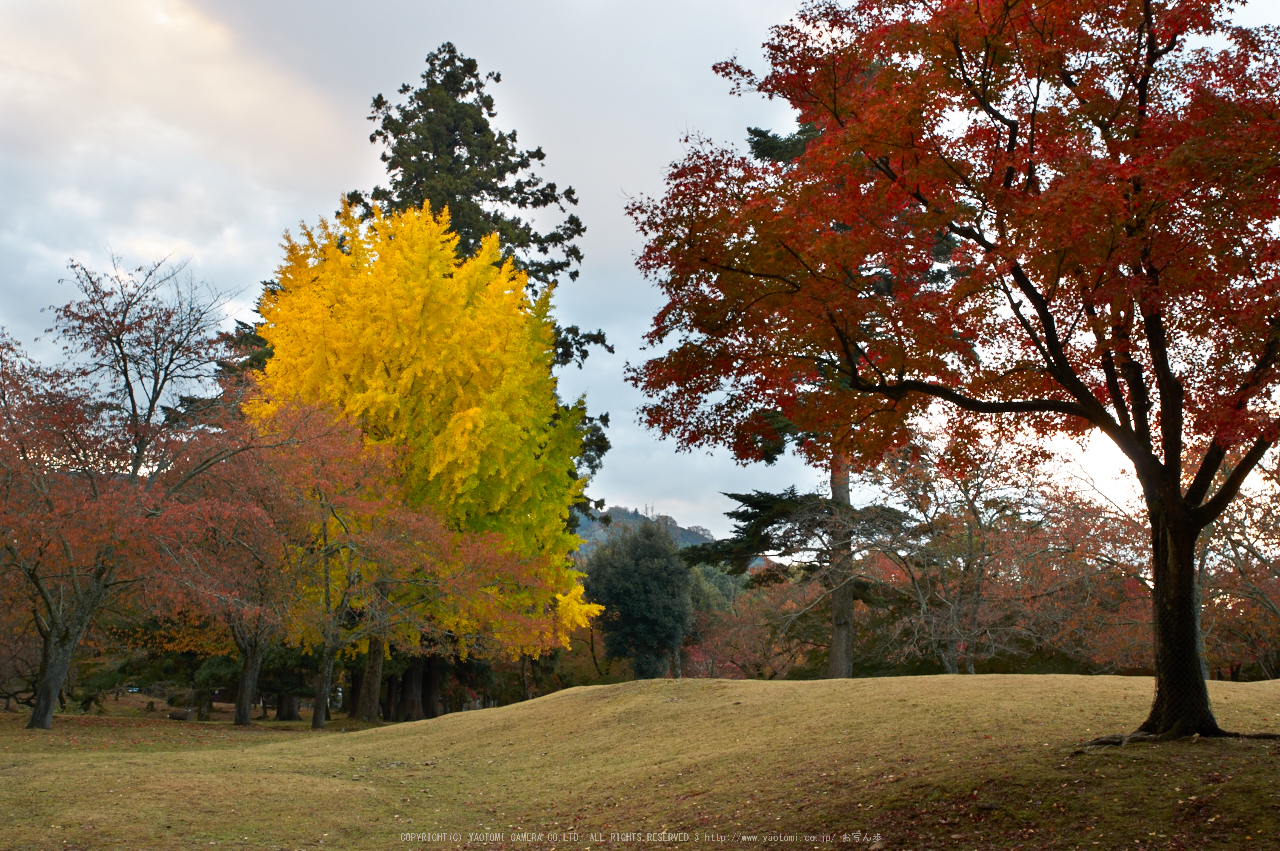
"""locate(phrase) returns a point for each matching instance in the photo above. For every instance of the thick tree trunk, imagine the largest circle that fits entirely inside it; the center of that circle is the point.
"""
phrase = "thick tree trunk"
(60, 636)
(252, 664)
(1181, 706)
(432, 686)
(54, 665)
(410, 705)
(324, 685)
(351, 697)
(840, 657)
(288, 707)
(371, 682)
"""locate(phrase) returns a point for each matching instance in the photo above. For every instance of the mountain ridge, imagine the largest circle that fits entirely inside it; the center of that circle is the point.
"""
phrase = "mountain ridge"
(594, 530)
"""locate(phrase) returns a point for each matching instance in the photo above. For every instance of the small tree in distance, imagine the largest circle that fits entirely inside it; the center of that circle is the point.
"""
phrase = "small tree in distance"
(638, 576)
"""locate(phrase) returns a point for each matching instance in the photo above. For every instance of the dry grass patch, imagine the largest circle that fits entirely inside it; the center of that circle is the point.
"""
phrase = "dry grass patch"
(929, 762)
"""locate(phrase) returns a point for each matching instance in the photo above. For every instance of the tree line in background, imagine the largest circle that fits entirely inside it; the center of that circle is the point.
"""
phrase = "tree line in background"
(963, 561)
(954, 567)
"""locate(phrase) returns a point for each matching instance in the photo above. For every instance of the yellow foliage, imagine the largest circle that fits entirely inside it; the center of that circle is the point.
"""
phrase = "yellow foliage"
(574, 612)
(448, 359)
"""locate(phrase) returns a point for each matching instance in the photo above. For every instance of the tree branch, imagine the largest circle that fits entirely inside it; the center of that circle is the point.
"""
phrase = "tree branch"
(1209, 511)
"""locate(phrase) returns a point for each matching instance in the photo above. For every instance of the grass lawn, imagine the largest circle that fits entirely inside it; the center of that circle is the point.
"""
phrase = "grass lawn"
(954, 762)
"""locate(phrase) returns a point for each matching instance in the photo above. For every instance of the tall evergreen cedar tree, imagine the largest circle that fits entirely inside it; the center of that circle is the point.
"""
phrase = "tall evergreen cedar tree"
(638, 576)
(1056, 217)
(447, 360)
(440, 149)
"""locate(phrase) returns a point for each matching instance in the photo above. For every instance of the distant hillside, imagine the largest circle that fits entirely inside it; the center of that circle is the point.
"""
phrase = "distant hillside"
(592, 531)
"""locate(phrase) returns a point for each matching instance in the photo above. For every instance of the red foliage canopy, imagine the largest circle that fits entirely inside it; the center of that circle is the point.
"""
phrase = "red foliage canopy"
(1057, 210)
(1062, 212)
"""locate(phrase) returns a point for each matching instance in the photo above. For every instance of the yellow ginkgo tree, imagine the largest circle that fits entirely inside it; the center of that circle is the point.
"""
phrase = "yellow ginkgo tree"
(448, 360)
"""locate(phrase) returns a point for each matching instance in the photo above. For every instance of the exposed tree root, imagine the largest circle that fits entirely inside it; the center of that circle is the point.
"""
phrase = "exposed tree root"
(1117, 740)
(1122, 739)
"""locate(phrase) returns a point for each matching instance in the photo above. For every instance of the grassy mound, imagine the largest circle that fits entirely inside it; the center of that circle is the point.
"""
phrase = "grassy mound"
(919, 762)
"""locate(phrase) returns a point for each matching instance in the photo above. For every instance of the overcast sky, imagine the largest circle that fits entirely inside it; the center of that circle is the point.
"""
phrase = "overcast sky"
(202, 130)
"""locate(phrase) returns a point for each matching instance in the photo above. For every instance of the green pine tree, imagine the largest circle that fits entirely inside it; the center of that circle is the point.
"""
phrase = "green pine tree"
(638, 576)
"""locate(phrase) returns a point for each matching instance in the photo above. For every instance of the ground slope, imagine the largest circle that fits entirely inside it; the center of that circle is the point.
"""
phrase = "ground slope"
(918, 762)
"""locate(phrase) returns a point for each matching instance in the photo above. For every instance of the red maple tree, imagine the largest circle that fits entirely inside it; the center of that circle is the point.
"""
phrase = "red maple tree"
(1058, 216)
(93, 452)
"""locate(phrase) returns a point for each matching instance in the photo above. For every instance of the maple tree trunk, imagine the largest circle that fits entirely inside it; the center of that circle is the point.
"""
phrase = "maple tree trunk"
(840, 656)
(324, 684)
(1181, 706)
(53, 672)
(433, 681)
(60, 636)
(252, 656)
(371, 682)
(948, 656)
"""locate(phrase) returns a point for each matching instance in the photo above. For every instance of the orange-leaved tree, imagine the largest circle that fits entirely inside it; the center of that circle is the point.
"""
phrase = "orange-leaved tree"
(370, 563)
(309, 540)
(1060, 215)
(94, 452)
